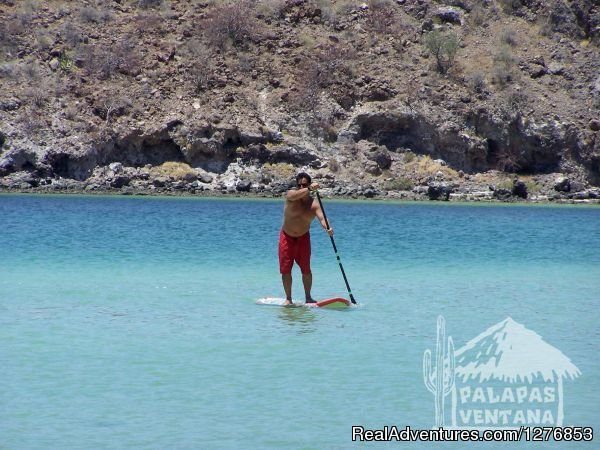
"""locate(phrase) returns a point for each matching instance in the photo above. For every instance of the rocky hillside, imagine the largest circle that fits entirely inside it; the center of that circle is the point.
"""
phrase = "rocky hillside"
(455, 99)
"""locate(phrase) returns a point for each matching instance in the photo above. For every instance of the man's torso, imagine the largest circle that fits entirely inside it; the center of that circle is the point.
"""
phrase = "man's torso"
(297, 217)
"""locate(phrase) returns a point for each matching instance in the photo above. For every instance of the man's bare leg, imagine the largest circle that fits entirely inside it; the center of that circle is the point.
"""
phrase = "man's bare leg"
(307, 282)
(286, 278)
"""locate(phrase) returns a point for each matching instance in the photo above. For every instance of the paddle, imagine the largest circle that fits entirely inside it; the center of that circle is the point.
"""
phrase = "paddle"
(335, 250)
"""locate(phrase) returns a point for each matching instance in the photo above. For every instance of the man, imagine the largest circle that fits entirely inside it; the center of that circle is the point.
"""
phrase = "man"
(294, 239)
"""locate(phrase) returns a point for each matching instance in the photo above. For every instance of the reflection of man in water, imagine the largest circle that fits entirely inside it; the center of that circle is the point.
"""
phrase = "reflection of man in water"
(294, 239)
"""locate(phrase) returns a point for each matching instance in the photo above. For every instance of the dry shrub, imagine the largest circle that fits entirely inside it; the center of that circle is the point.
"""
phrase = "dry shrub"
(477, 82)
(279, 170)
(177, 170)
(43, 40)
(327, 66)
(37, 96)
(9, 70)
(150, 22)
(271, 9)
(398, 184)
(509, 37)
(31, 71)
(107, 61)
(504, 63)
(334, 165)
(71, 35)
(508, 159)
(111, 105)
(332, 12)
(381, 16)
(478, 15)
(232, 23)
(202, 66)
(424, 166)
(145, 4)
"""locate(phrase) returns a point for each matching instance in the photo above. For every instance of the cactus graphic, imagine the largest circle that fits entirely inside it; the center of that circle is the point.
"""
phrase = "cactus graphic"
(440, 380)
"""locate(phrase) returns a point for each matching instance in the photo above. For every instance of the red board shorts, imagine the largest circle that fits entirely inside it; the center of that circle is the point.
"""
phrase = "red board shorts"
(294, 249)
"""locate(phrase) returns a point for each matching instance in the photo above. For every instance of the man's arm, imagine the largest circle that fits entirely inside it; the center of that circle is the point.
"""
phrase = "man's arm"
(321, 217)
(296, 194)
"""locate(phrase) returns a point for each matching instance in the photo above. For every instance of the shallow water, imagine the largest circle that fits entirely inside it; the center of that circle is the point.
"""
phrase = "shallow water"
(130, 322)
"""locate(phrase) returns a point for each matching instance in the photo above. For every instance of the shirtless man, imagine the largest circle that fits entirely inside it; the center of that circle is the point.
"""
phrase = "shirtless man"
(294, 239)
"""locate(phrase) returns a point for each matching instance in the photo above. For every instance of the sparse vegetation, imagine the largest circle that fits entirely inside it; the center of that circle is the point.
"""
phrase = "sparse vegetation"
(477, 82)
(381, 16)
(149, 3)
(232, 23)
(106, 62)
(509, 37)
(202, 67)
(111, 105)
(504, 62)
(334, 165)
(408, 157)
(243, 71)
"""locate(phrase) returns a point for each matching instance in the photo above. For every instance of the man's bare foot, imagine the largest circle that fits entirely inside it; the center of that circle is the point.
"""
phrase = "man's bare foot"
(310, 300)
(288, 303)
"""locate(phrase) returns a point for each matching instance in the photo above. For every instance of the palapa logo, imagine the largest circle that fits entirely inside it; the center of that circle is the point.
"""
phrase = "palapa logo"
(508, 376)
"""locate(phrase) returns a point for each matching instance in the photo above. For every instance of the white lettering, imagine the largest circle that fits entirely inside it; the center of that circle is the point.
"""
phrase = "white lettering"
(465, 415)
(521, 394)
(507, 396)
(492, 398)
(547, 418)
(549, 394)
(519, 418)
(479, 395)
(465, 394)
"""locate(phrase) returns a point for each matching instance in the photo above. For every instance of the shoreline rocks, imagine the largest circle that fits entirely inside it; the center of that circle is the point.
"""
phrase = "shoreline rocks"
(116, 179)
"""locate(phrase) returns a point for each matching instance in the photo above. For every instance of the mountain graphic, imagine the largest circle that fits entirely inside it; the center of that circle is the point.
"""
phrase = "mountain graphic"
(511, 353)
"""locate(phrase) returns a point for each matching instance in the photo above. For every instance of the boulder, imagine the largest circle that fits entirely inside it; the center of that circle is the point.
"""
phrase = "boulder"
(116, 167)
(381, 156)
(576, 186)
(119, 181)
(519, 189)
(373, 168)
(297, 156)
(439, 191)
(243, 186)
(562, 184)
(449, 15)
(205, 178)
(502, 194)
(18, 159)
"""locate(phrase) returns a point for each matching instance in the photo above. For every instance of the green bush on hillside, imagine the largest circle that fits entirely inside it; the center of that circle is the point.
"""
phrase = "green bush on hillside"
(443, 46)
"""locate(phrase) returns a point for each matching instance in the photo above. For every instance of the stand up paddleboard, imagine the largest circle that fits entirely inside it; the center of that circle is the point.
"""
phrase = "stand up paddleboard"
(330, 303)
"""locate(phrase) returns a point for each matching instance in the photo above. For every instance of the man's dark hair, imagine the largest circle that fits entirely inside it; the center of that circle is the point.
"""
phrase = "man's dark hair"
(303, 175)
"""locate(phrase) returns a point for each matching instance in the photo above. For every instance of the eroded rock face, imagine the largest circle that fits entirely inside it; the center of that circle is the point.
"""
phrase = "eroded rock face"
(487, 140)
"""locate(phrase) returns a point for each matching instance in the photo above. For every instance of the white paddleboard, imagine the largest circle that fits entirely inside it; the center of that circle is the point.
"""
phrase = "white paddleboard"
(329, 303)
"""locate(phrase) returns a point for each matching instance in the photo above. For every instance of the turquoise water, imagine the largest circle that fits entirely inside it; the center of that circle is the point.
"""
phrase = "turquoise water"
(130, 322)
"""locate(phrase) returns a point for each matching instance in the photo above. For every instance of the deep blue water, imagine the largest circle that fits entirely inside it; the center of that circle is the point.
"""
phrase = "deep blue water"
(131, 323)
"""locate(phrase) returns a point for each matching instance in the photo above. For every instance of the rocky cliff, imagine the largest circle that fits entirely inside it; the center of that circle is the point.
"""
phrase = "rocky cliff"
(456, 99)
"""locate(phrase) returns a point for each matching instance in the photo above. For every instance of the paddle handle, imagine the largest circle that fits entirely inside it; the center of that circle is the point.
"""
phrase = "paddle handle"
(335, 250)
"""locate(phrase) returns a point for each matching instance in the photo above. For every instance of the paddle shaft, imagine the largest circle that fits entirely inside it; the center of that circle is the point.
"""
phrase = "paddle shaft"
(335, 250)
